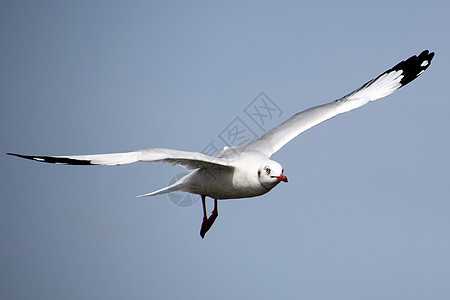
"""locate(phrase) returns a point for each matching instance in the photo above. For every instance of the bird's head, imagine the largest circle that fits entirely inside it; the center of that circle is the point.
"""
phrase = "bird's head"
(270, 173)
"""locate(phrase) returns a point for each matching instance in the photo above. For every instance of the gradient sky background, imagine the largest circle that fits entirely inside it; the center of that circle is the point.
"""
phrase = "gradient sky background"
(365, 214)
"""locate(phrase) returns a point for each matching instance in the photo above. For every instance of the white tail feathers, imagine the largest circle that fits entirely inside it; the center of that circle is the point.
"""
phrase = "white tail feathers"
(171, 188)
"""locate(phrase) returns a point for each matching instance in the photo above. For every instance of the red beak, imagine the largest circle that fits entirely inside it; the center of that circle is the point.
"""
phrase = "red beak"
(281, 178)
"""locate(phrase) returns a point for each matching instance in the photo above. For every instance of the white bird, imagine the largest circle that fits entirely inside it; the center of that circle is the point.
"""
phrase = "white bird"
(247, 170)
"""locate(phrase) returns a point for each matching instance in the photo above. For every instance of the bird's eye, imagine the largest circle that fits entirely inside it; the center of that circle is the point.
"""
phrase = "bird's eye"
(267, 169)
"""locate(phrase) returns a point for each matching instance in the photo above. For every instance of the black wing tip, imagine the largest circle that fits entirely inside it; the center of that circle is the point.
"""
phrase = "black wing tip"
(414, 66)
(20, 155)
(53, 160)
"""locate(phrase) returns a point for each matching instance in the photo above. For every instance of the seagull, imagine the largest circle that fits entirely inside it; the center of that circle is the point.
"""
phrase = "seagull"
(247, 170)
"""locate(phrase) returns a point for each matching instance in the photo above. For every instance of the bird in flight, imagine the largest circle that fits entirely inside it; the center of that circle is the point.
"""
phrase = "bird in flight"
(247, 170)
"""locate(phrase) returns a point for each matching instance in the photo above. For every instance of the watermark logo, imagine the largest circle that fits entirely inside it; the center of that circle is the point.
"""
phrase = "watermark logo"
(263, 112)
(237, 133)
(258, 116)
(182, 199)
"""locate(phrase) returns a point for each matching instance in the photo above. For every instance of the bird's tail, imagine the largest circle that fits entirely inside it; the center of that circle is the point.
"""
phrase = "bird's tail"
(171, 188)
(180, 184)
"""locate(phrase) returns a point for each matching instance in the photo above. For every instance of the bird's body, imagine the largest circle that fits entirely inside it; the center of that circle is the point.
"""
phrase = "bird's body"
(240, 180)
(247, 171)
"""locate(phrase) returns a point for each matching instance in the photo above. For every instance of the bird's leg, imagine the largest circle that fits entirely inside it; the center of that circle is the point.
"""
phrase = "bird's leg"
(215, 212)
(204, 209)
(208, 222)
(204, 228)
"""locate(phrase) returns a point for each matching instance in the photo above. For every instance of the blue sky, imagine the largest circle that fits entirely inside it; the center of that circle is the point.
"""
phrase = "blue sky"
(365, 212)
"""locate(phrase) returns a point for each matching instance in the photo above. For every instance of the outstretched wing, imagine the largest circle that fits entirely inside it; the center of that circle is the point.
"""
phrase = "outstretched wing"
(185, 159)
(382, 86)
